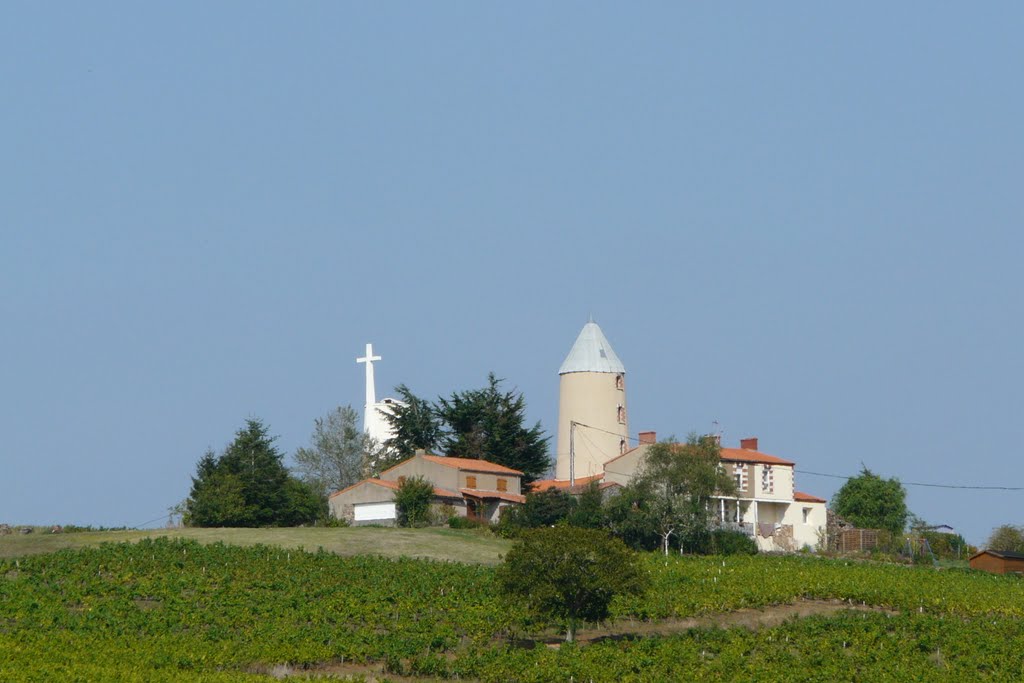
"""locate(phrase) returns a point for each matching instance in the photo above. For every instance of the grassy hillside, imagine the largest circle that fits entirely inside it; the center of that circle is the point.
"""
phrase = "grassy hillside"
(479, 547)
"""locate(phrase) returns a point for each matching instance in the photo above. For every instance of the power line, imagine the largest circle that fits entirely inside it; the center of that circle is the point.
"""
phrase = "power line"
(917, 483)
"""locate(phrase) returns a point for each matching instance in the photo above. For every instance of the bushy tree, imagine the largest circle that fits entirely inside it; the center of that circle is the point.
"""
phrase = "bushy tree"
(412, 501)
(337, 454)
(415, 425)
(678, 481)
(488, 423)
(1008, 538)
(588, 512)
(870, 502)
(543, 508)
(248, 486)
(569, 575)
(628, 517)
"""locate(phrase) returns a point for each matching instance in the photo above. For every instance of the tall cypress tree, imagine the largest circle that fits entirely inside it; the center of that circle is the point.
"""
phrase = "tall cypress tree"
(489, 424)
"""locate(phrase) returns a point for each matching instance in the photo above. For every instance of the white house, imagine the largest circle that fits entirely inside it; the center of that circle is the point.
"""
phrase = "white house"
(767, 507)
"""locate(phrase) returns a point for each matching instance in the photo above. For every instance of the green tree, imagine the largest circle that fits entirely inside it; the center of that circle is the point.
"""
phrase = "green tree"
(1008, 538)
(412, 501)
(246, 486)
(337, 454)
(678, 481)
(415, 425)
(541, 508)
(628, 517)
(588, 512)
(569, 575)
(870, 502)
(488, 424)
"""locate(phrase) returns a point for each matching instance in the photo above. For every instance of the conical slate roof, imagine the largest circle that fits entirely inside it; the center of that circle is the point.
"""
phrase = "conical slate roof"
(591, 353)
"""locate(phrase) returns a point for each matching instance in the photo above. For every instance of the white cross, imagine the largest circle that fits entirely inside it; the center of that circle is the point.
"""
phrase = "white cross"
(371, 391)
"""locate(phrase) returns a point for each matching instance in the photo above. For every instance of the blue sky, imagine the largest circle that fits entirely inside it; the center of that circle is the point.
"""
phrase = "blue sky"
(802, 222)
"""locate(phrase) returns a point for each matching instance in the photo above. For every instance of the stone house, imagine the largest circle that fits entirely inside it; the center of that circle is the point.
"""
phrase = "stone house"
(472, 488)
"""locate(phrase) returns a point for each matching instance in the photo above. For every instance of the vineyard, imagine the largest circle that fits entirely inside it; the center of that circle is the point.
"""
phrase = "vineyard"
(163, 610)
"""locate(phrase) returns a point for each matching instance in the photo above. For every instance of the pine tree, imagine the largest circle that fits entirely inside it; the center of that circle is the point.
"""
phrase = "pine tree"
(248, 486)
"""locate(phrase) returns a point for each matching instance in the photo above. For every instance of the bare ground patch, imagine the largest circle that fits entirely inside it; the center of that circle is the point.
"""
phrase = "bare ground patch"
(764, 617)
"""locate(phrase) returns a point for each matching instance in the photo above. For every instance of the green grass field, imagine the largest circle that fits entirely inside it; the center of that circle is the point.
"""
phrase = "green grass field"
(456, 545)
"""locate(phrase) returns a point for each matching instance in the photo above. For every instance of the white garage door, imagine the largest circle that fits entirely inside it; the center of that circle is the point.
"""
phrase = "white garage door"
(374, 512)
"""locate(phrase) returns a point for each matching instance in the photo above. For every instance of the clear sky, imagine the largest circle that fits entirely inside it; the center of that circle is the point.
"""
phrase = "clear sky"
(801, 221)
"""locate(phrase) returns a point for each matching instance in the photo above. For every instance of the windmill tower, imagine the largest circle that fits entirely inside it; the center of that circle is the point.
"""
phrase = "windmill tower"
(592, 418)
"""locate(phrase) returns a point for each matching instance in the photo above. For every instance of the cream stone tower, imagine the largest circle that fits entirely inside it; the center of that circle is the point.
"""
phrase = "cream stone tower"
(592, 419)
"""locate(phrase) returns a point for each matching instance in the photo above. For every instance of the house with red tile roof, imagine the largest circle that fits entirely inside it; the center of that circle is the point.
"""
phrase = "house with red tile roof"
(767, 506)
(474, 488)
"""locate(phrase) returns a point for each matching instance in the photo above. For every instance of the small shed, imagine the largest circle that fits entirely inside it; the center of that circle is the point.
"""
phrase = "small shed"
(998, 562)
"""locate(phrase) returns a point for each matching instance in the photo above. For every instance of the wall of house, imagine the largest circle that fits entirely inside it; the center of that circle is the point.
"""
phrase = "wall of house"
(487, 481)
(805, 533)
(341, 505)
(781, 480)
(441, 476)
(622, 469)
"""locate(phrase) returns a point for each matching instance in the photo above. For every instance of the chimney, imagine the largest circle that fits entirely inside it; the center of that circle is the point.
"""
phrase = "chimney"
(749, 444)
(648, 438)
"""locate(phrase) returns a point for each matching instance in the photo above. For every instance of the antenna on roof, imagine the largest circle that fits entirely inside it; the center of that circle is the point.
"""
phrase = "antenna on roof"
(716, 432)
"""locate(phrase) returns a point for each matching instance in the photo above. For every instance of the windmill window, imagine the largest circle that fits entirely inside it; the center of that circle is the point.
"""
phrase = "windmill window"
(622, 414)
(622, 446)
(620, 382)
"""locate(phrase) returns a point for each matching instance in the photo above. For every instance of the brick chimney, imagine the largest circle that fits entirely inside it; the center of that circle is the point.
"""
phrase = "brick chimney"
(648, 438)
(749, 444)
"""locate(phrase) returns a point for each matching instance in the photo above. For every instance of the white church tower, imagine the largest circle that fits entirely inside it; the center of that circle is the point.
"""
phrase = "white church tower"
(592, 419)
(374, 422)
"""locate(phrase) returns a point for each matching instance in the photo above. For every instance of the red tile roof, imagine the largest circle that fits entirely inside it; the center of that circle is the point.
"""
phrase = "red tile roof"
(500, 495)
(563, 483)
(744, 455)
(471, 464)
(806, 497)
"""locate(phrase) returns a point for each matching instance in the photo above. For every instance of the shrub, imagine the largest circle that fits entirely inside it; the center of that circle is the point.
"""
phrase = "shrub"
(412, 501)
(729, 542)
(460, 522)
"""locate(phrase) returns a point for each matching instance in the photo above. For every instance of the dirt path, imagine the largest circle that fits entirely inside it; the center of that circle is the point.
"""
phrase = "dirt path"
(750, 618)
(765, 617)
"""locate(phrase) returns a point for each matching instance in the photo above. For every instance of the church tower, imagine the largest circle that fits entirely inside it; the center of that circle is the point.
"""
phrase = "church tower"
(592, 420)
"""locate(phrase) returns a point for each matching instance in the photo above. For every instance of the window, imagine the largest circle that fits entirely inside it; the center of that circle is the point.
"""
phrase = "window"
(622, 414)
(502, 484)
(739, 473)
(470, 481)
(807, 515)
(767, 479)
(620, 382)
(622, 446)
